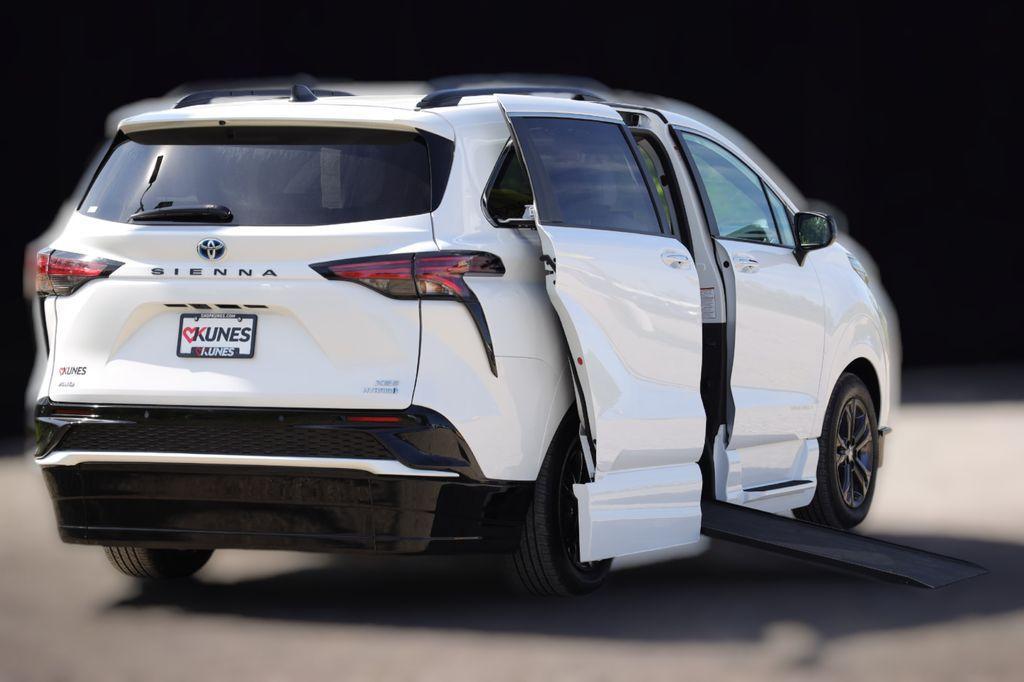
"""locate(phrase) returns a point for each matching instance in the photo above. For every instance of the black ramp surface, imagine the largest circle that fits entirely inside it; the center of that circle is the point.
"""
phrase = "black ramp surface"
(841, 549)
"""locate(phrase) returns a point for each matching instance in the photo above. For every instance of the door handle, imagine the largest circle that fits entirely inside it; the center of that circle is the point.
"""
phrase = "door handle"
(745, 263)
(674, 259)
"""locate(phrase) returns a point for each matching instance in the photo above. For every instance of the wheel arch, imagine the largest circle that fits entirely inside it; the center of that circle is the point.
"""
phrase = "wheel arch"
(866, 372)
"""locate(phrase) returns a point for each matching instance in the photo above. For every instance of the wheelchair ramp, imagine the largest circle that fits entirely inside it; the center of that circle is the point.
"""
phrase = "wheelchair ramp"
(840, 549)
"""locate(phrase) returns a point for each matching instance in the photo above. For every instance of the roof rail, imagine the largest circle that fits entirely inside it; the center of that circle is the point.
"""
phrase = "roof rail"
(297, 93)
(452, 96)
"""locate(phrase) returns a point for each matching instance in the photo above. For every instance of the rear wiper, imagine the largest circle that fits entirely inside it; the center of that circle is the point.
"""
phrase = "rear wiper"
(201, 213)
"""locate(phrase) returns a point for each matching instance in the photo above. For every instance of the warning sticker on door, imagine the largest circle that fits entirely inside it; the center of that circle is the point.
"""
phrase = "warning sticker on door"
(708, 304)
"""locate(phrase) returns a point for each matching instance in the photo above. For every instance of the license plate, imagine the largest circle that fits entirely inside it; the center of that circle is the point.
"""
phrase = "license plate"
(216, 335)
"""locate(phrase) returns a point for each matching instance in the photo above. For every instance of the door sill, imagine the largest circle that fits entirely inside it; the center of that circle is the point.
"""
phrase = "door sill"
(780, 498)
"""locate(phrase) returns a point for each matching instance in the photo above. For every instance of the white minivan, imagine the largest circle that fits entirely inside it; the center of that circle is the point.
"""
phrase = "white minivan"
(508, 320)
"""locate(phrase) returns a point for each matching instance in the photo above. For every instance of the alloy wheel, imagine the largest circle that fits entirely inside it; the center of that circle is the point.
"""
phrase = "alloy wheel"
(854, 454)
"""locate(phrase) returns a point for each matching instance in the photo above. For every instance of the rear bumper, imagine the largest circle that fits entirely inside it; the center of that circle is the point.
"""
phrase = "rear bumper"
(316, 480)
(261, 507)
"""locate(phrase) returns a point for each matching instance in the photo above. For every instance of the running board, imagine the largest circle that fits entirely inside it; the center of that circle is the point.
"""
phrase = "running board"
(839, 549)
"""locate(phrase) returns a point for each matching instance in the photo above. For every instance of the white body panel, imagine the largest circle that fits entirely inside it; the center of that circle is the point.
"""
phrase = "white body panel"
(800, 477)
(395, 99)
(804, 325)
(635, 323)
(630, 308)
(633, 319)
(509, 420)
(855, 327)
(776, 371)
(319, 343)
(644, 510)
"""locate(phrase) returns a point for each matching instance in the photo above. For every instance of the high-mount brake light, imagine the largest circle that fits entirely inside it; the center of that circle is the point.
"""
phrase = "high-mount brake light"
(59, 273)
(430, 275)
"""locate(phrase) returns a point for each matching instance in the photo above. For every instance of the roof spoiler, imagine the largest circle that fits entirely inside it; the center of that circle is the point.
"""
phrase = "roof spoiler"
(297, 93)
(452, 96)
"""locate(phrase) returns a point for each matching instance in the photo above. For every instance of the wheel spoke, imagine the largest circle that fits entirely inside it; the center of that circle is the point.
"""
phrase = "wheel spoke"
(845, 482)
(847, 420)
(863, 467)
(863, 435)
(863, 477)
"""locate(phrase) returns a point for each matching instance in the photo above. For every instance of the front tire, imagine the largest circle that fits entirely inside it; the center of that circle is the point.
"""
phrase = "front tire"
(547, 560)
(161, 564)
(847, 458)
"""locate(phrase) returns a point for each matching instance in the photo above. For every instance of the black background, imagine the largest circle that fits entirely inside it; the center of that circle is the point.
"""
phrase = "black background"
(904, 116)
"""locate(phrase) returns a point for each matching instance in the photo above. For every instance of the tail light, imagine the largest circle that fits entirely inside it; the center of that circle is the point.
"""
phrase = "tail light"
(388, 275)
(59, 273)
(432, 275)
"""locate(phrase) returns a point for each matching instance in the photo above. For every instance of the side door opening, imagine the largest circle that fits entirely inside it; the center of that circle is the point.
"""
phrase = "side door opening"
(627, 295)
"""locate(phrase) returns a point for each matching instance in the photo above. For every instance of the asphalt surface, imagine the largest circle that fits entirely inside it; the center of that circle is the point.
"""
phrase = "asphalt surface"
(951, 483)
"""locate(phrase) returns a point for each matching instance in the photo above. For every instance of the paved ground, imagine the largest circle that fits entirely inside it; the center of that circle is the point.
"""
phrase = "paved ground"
(951, 483)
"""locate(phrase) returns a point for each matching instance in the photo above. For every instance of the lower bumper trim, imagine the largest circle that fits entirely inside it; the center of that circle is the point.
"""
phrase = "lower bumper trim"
(380, 467)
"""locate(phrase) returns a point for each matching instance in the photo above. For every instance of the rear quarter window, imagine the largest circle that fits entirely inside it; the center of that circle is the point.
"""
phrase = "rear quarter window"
(267, 176)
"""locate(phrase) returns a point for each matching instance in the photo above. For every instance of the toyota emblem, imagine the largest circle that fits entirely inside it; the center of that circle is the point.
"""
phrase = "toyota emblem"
(211, 249)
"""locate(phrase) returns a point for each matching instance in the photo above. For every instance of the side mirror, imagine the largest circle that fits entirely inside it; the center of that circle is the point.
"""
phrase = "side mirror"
(813, 231)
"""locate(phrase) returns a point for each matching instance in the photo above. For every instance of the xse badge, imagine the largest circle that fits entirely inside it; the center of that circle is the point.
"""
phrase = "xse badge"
(216, 335)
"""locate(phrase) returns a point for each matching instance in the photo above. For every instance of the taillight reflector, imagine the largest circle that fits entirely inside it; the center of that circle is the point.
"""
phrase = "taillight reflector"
(368, 419)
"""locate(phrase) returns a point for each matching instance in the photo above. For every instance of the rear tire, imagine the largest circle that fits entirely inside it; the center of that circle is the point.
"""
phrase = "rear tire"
(547, 560)
(847, 458)
(161, 564)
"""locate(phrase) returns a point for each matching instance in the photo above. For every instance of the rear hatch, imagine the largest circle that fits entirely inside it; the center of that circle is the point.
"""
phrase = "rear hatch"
(215, 302)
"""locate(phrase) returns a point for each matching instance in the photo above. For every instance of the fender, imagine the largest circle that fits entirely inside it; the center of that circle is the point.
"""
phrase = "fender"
(854, 328)
(859, 337)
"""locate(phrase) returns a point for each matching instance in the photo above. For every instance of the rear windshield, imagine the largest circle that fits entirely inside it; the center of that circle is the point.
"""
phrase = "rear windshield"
(266, 176)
